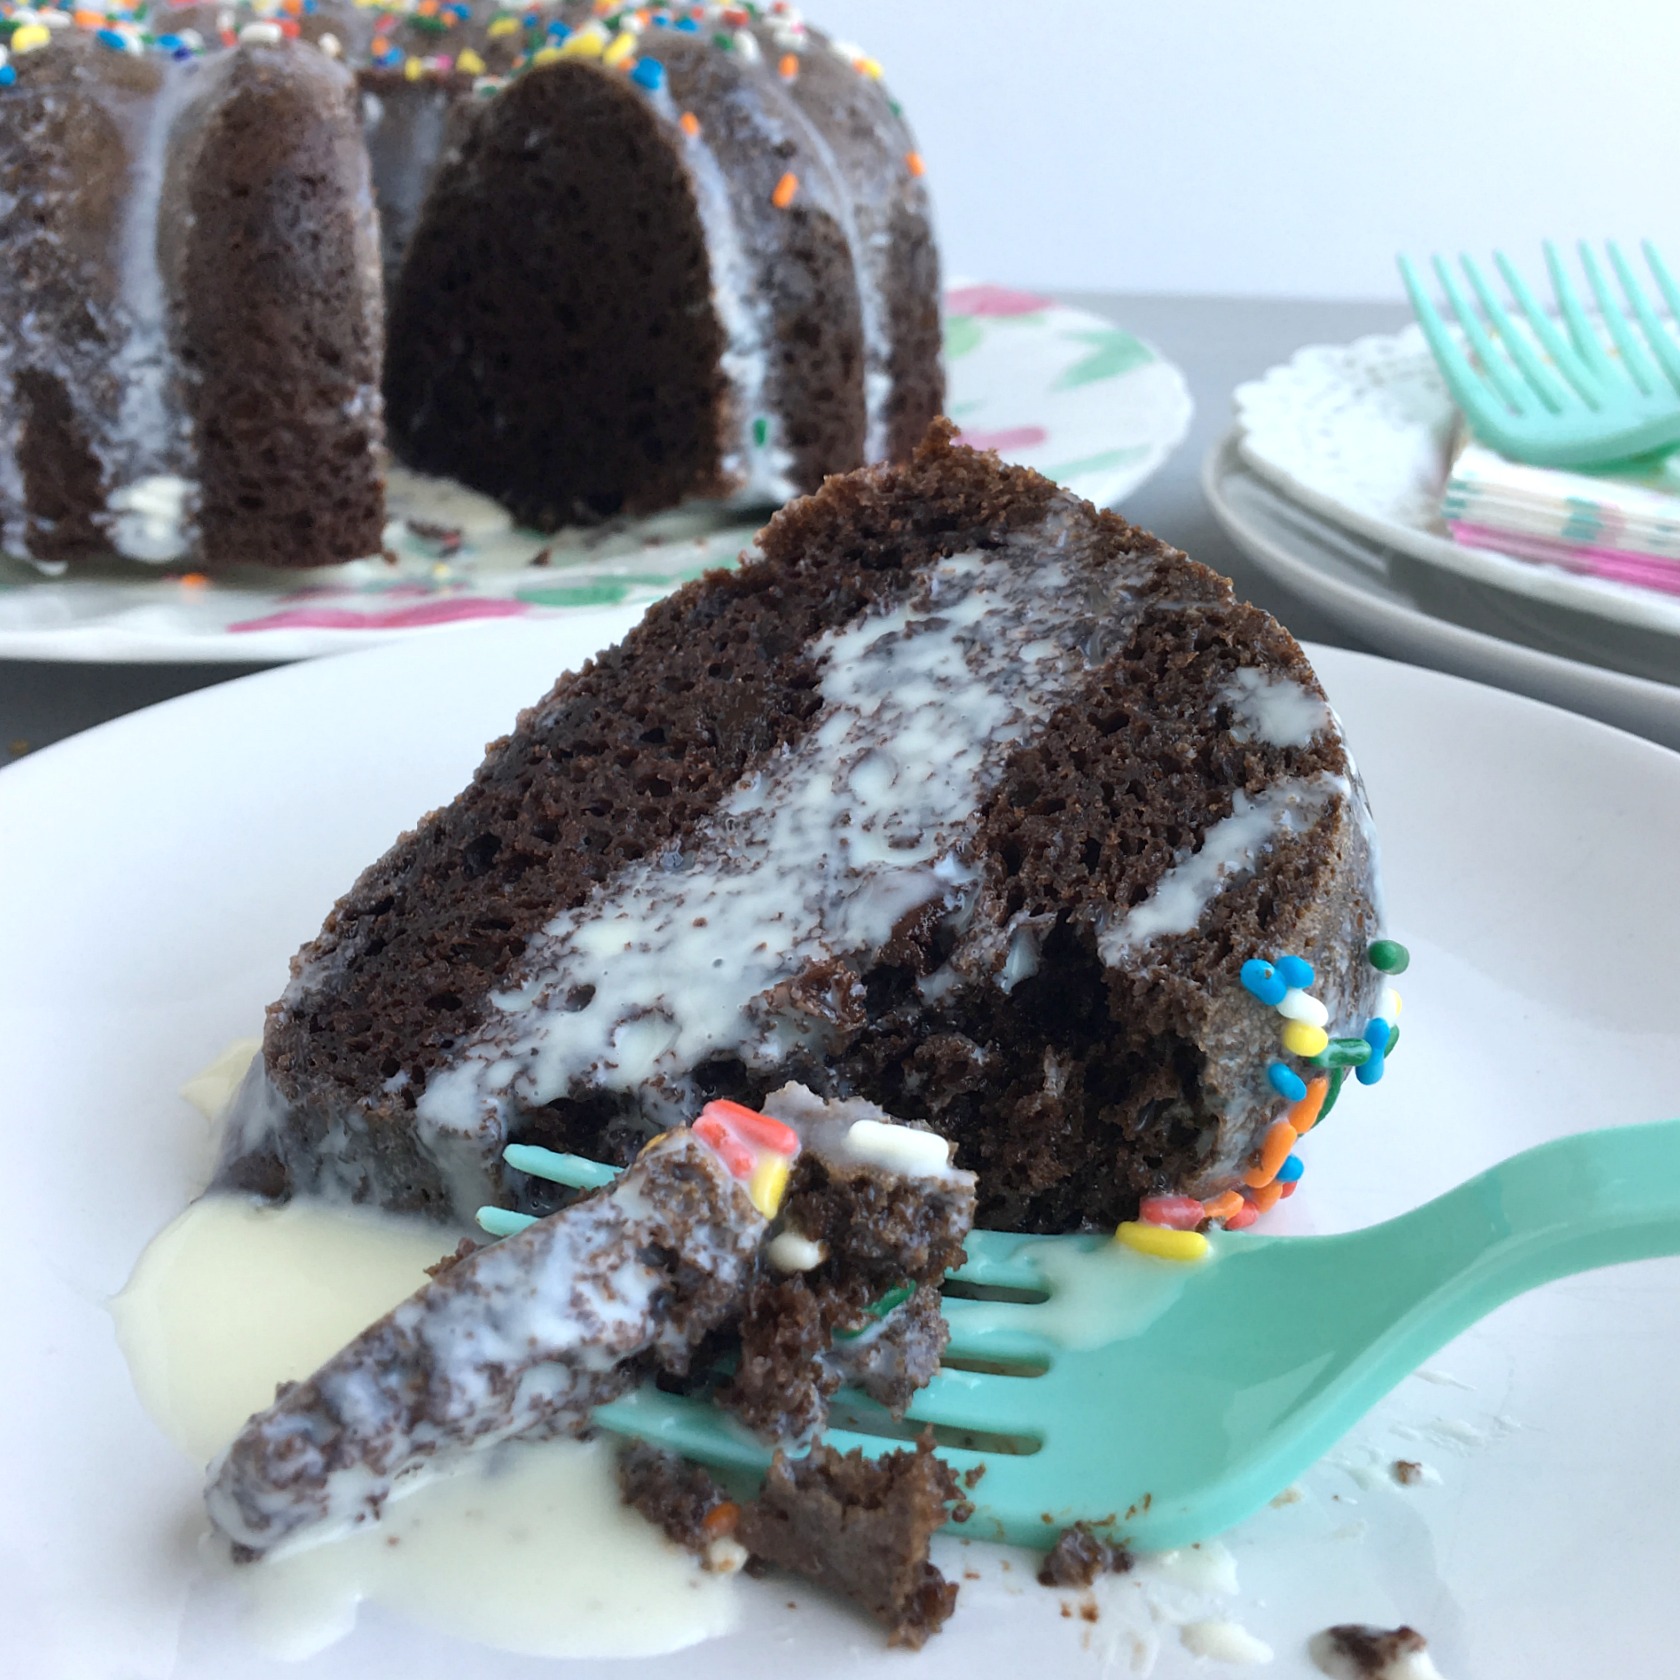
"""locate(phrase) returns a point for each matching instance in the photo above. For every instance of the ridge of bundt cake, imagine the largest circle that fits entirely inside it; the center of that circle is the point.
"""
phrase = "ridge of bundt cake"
(959, 796)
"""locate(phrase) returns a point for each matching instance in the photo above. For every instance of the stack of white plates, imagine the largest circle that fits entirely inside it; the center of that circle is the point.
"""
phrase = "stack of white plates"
(1330, 481)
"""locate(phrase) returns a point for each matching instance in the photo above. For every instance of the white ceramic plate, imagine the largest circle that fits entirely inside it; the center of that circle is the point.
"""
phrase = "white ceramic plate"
(1058, 389)
(1360, 434)
(156, 873)
(1447, 623)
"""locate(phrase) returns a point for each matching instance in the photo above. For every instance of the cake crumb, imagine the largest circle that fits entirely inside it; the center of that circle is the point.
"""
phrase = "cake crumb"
(459, 1253)
(1080, 1556)
(1354, 1651)
(1407, 1472)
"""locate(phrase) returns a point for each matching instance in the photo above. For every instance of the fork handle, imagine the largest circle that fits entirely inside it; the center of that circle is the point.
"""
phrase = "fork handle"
(1592, 1199)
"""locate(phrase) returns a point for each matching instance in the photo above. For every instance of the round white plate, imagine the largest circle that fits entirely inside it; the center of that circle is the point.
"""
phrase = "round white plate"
(1360, 433)
(1067, 392)
(157, 872)
(1407, 610)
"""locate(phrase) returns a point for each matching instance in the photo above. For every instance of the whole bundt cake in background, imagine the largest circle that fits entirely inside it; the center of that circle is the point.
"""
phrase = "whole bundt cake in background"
(587, 259)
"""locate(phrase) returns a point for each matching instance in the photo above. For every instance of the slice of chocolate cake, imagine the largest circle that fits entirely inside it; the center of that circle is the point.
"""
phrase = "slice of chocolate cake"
(959, 796)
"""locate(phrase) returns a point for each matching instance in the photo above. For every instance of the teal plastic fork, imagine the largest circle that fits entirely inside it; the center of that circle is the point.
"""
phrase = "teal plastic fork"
(1164, 1401)
(1551, 397)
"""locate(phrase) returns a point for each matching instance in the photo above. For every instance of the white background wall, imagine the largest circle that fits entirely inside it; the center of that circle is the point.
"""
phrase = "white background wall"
(1278, 146)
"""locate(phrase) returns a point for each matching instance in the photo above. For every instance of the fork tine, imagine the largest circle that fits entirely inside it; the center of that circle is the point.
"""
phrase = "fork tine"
(1665, 281)
(1657, 337)
(1634, 360)
(1545, 387)
(1581, 334)
(1552, 341)
(1496, 367)
(1462, 380)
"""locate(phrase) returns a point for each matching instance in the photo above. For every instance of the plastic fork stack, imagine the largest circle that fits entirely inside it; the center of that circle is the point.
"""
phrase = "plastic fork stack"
(1580, 403)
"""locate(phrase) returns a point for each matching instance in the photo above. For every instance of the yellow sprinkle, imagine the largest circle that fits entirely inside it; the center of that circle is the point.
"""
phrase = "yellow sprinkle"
(1161, 1241)
(1301, 1038)
(622, 47)
(768, 1183)
(1390, 1001)
(503, 26)
(869, 67)
(31, 36)
(470, 64)
(548, 55)
(413, 69)
(587, 43)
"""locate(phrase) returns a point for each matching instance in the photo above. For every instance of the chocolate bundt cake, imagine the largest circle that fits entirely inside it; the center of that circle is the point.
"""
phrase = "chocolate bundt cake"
(587, 259)
(960, 796)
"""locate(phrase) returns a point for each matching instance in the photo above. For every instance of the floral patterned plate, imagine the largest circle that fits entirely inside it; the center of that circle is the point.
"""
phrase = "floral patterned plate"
(1057, 389)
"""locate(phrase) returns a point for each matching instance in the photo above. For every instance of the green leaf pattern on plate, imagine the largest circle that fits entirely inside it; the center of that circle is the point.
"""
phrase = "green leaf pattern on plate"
(1113, 352)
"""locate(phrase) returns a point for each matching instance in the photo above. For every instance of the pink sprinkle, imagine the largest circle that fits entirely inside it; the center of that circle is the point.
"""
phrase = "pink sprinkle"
(1177, 1213)
(1008, 440)
(994, 300)
(454, 611)
(1243, 1217)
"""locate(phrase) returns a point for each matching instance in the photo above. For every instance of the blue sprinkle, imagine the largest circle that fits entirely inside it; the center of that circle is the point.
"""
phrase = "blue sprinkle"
(1286, 1082)
(7, 75)
(687, 25)
(110, 38)
(1258, 977)
(1376, 1035)
(649, 73)
(168, 42)
(557, 31)
(1291, 1170)
(182, 53)
(1295, 972)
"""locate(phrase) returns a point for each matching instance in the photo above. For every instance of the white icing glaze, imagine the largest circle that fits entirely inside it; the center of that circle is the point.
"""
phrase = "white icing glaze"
(818, 854)
(1275, 709)
(1229, 849)
(1226, 1642)
(743, 310)
(211, 1089)
(528, 1548)
(151, 447)
(1103, 1294)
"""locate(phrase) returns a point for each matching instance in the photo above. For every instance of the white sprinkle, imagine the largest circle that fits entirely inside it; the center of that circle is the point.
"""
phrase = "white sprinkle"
(329, 44)
(261, 34)
(1303, 1006)
(53, 18)
(791, 1251)
(902, 1149)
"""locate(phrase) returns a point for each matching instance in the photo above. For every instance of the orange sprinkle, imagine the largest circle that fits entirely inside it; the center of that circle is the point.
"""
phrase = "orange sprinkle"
(1222, 1207)
(689, 124)
(292, 8)
(913, 162)
(789, 66)
(193, 580)
(427, 8)
(1304, 1115)
(782, 197)
(88, 20)
(1267, 1196)
(1273, 1153)
(721, 1519)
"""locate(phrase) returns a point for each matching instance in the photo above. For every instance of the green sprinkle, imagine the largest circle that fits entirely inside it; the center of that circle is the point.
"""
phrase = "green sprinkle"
(894, 106)
(878, 1310)
(1389, 956)
(725, 42)
(761, 431)
(1393, 1039)
(1343, 1053)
